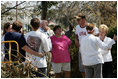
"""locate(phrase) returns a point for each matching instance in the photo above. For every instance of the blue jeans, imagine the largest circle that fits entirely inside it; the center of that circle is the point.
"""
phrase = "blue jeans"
(42, 72)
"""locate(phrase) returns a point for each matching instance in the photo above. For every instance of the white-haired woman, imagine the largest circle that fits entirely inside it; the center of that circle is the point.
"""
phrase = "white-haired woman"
(107, 57)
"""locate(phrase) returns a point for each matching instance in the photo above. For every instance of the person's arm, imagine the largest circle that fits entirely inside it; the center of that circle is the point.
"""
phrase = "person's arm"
(104, 46)
(29, 50)
(76, 41)
(115, 37)
(24, 46)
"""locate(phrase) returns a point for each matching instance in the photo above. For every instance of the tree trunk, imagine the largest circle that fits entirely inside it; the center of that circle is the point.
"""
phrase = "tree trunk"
(16, 10)
(44, 10)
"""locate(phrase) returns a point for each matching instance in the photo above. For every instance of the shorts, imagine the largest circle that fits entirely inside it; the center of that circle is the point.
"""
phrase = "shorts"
(81, 66)
(59, 67)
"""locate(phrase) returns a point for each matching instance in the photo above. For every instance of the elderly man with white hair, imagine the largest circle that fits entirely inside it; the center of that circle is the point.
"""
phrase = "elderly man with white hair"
(44, 28)
(48, 32)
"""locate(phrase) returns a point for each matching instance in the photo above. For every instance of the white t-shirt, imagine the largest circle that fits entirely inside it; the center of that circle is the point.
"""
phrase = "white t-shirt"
(50, 32)
(81, 32)
(106, 53)
(89, 49)
(47, 37)
(38, 42)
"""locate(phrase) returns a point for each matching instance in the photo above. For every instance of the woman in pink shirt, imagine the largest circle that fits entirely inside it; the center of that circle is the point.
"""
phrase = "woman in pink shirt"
(60, 53)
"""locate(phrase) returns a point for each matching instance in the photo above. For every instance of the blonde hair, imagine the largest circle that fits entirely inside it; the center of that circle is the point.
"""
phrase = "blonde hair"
(104, 27)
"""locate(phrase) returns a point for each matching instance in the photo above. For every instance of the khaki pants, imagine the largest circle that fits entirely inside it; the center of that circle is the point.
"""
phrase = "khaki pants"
(48, 58)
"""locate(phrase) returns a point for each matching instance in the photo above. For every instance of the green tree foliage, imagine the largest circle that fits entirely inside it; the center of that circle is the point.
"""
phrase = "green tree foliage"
(74, 59)
(112, 31)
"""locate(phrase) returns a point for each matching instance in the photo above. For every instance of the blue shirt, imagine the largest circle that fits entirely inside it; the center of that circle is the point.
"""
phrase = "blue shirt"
(18, 37)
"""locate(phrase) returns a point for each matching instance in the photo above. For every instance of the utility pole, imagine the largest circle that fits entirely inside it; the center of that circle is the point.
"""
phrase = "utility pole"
(16, 10)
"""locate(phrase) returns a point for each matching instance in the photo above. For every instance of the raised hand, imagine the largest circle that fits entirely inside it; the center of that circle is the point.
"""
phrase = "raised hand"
(115, 37)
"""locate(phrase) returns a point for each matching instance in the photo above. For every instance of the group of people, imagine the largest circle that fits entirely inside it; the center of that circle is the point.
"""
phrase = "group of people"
(95, 60)
(94, 47)
(37, 43)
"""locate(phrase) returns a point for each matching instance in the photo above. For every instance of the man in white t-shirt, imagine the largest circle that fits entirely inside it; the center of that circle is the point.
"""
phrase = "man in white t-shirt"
(47, 31)
(92, 59)
(80, 33)
(45, 28)
(38, 42)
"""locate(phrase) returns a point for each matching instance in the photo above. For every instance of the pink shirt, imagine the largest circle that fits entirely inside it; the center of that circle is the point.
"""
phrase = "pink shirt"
(60, 52)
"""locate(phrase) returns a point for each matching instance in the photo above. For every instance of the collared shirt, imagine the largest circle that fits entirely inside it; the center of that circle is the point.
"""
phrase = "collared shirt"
(106, 53)
(47, 37)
